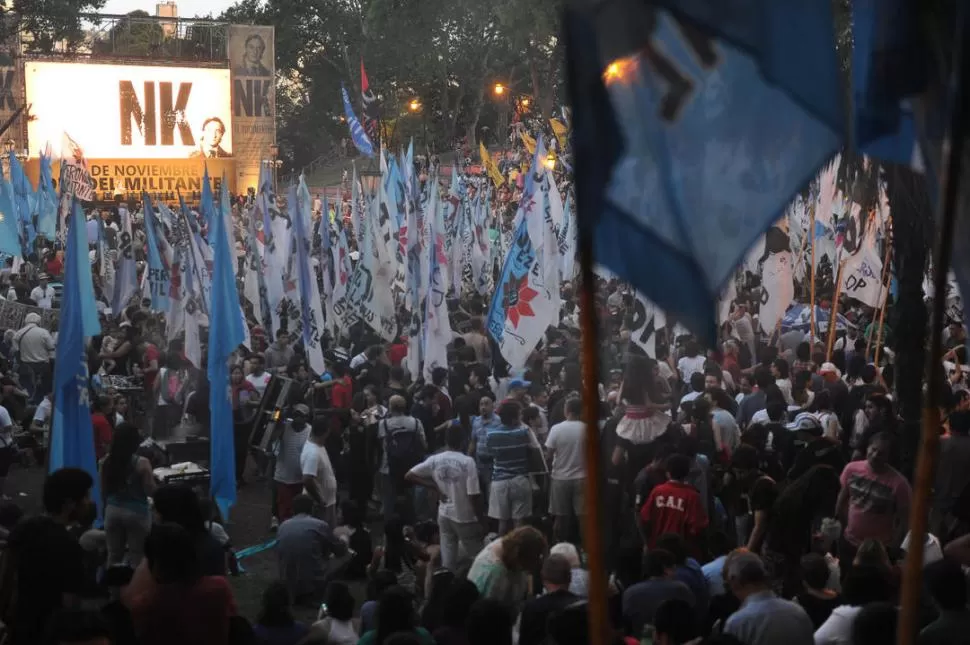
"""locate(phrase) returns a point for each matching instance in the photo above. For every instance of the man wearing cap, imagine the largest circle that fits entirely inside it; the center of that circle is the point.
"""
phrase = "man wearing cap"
(764, 618)
(42, 294)
(35, 345)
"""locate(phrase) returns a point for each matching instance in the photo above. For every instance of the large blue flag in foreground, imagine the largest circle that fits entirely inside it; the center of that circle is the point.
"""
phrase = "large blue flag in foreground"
(687, 147)
(226, 333)
(46, 199)
(357, 133)
(72, 437)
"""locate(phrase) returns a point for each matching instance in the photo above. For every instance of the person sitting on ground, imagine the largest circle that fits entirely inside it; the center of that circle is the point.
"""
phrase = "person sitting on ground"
(395, 613)
(948, 586)
(641, 600)
(276, 625)
(46, 560)
(335, 625)
(462, 595)
(556, 575)
(764, 618)
(183, 606)
(816, 599)
(674, 623)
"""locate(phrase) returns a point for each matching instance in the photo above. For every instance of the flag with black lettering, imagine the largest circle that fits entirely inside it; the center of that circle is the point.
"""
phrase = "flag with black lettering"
(647, 319)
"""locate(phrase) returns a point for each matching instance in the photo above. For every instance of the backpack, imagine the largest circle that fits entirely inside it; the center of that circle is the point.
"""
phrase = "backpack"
(170, 387)
(403, 448)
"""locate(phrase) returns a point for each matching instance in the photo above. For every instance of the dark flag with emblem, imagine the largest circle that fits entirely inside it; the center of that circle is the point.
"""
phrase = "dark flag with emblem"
(370, 116)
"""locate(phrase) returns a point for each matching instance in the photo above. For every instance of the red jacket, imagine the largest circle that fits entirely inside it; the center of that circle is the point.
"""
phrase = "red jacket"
(673, 507)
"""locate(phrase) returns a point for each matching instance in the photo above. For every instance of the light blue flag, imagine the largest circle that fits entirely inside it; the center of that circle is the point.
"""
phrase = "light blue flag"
(159, 275)
(72, 437)
(357, 133)
(46, 200)
(10, 242)
(687, 145)
(226, 333)
(23, 193)
(207, 200)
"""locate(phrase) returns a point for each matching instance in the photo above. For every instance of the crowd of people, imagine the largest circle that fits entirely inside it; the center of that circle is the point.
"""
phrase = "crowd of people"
(753, 491)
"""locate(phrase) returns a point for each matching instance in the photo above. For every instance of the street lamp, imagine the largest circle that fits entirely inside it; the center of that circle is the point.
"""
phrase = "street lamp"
(414, 105)
(499, 89)
(370, 179)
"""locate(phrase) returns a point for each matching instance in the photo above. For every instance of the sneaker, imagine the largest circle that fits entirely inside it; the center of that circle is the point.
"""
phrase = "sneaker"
(274, 524)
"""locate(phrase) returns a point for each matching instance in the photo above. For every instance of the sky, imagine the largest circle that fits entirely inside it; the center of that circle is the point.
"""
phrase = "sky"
(187, 8)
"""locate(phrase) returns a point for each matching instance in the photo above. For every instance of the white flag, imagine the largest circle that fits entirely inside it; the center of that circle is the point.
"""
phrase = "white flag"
(777, 290)
(862, 275)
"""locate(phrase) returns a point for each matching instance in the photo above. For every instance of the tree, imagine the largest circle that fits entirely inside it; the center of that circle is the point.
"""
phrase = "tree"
(45, 23)
(139, 34)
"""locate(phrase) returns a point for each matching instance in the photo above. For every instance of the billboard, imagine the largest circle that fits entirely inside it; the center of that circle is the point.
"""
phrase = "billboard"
(252, 57)
(130, 111)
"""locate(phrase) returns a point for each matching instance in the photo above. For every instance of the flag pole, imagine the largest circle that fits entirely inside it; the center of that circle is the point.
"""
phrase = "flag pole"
(599, 624)
(811, 268)
(953, 147)
(830, 341)
(884, 293)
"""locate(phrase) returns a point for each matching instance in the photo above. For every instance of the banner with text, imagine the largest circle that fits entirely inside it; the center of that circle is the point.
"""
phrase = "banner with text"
(252, 64)
(163, 179)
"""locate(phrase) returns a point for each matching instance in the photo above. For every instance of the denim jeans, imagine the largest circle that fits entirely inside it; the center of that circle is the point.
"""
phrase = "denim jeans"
(126, 527)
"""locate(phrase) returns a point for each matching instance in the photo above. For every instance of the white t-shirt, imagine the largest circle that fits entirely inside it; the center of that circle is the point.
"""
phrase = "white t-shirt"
(567, 440)
(457, 479)
(43, 297)
(288, 468)
(688, 366)
(259, 382)
(6, 428)
(315, 462)
(43, 412)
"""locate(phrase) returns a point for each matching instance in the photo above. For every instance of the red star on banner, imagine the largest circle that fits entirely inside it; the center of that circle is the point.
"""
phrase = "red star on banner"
(439, 249)
(402, 240)
(517, 296)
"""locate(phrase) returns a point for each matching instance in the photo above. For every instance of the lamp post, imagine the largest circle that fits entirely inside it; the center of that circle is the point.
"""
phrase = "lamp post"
(370, 180)
(274, 163)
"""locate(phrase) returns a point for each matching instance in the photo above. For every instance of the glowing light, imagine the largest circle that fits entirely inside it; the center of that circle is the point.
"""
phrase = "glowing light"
(414, 105)
(525, 103)
(499, 89)
(549, 162)
(619, 70)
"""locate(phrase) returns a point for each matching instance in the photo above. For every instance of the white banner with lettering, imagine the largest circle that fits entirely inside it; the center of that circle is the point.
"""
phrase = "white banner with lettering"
(862, 276)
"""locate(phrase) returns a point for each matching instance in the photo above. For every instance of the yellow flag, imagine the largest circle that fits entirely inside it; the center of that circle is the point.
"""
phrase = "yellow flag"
(490, 166)
(530, 143)
(559, 129)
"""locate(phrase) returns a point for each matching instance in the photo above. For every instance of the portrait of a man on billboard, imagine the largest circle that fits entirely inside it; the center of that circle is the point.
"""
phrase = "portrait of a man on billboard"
(252, 58)
(213, 129)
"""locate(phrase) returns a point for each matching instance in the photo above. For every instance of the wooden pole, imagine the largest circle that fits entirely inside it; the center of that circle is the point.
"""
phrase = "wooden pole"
(953, 148)
(882, 313)
(830, 341)
(811, 268)
(599, 622)
(884, 297)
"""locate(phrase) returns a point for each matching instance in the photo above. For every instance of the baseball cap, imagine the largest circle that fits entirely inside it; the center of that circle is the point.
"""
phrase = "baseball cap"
(805, 422)
(519, 382)
(301, 409)
(830, 368)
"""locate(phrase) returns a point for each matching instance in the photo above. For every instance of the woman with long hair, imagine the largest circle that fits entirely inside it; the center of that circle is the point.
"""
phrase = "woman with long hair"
(276, 625)
(503, 568)
(795, 518)
(126, 484)
(645, 417)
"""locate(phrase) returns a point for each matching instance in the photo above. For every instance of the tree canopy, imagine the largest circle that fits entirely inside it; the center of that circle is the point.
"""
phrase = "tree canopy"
(446, 56)
(44, 23)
